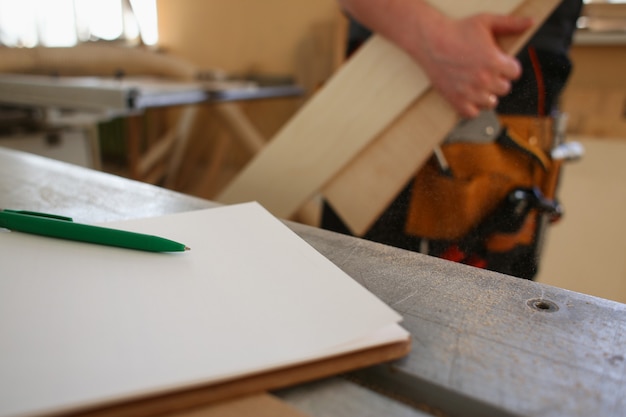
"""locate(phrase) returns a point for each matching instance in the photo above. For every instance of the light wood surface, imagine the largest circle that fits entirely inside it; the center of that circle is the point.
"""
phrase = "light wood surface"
(362, 190)
(259, 405)
(364, 97)
(99, 60)
(334, 125)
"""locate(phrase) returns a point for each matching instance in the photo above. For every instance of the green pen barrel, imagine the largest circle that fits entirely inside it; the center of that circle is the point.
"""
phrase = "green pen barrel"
(68, 230)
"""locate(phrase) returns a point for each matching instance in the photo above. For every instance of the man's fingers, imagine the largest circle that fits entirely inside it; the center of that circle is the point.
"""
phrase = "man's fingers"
(501, 87)
(492, 101)
(509, 25)
(509, 67)
(467, 109)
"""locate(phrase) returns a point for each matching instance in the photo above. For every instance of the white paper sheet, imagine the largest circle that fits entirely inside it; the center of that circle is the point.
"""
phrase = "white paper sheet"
(85, 324)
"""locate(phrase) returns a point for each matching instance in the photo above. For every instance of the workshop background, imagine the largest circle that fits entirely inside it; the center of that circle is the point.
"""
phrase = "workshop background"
(301, 41)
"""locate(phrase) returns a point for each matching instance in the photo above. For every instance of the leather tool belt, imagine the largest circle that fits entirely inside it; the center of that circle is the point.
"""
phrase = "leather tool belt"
(487, 191)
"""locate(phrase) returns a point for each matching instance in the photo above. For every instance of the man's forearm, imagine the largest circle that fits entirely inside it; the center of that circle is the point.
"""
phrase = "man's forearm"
(406, 23)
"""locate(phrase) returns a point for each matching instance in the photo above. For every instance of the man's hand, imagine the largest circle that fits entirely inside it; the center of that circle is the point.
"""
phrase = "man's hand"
(464, 62)
(460, 56)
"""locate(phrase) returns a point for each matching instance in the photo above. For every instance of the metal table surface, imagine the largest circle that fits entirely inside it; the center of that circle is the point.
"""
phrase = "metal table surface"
(482, 343)
(128, 94)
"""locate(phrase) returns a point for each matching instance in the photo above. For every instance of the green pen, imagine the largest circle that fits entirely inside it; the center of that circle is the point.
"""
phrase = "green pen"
(64, 228)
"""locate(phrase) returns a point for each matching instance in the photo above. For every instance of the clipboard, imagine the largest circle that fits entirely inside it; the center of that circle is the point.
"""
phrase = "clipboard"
(91, 329)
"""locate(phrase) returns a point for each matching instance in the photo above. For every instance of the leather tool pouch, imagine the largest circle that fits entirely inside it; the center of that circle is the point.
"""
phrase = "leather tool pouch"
(466, 206)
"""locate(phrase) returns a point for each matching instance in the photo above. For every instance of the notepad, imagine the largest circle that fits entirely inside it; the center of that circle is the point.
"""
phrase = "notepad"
(84, 325)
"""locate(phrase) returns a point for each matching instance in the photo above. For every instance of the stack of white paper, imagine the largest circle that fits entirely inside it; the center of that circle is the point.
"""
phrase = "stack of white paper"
(84, 324)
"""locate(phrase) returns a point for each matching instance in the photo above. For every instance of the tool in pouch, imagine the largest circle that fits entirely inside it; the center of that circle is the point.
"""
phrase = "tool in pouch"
(489, 192)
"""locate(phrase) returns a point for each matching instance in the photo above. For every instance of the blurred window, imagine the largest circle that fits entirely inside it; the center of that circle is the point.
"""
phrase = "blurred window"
(28, 23)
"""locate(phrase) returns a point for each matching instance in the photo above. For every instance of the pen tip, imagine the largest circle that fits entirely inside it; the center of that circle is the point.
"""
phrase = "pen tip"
(187, 248)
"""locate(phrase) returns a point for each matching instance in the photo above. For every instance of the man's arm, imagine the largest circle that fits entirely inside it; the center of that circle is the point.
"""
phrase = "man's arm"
(460, 56)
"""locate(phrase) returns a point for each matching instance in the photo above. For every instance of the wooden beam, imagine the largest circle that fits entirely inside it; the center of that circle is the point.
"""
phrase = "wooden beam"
(359, 102)
(369, 183)
(331, 128)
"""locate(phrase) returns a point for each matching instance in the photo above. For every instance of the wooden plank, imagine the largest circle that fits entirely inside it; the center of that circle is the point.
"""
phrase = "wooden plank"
(94, 60)
(236, 120)
(369, 183)
(316, 142)
(354, 107)
(482, 346)
(258, 405)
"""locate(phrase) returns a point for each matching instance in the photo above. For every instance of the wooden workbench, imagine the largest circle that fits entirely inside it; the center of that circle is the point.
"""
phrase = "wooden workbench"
(483, 343)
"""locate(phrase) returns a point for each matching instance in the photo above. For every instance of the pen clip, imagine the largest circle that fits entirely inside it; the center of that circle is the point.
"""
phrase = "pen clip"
(36, 214)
